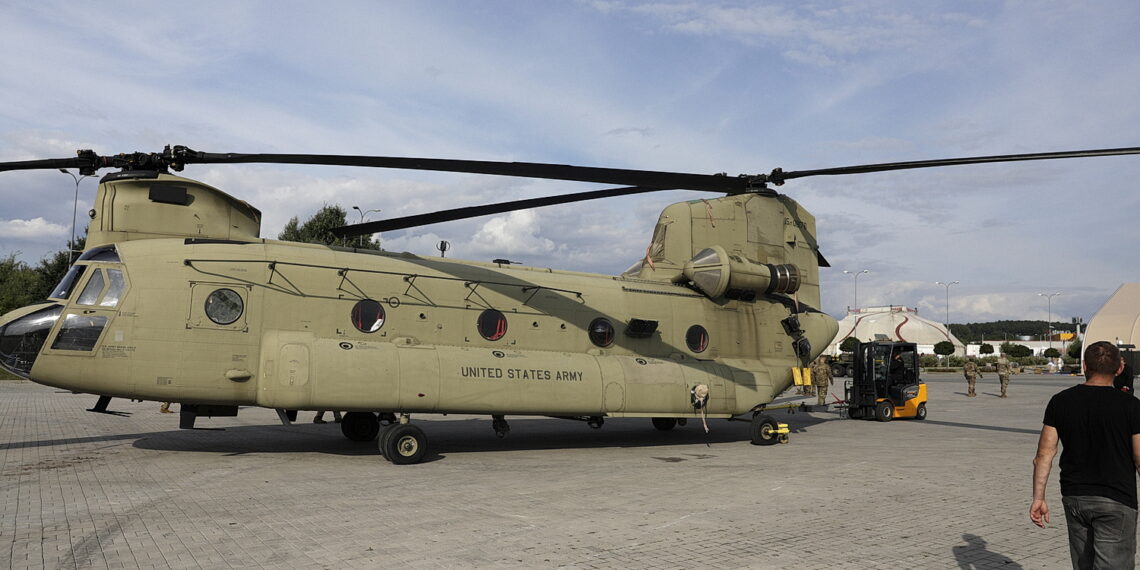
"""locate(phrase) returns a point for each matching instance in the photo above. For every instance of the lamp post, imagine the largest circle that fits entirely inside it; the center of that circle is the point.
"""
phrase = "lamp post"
(362, 214)
(74, 207)
(1049, 323)
(856, 274)
(947, 286)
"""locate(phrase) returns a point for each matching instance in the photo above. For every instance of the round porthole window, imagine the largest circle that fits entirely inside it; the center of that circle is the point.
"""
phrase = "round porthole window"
(492, 324)
(367, 316)
(697, 338)
(601, 332)
(224, 306)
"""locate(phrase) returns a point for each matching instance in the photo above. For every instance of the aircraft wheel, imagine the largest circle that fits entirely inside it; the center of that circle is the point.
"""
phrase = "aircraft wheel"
(920, 414)
(765, 430)
(404, 444)
(383, 444)
(884, 411)
(664, 424)
(360, 426)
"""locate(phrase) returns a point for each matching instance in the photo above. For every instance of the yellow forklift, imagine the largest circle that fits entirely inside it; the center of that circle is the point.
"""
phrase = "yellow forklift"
(885, 382)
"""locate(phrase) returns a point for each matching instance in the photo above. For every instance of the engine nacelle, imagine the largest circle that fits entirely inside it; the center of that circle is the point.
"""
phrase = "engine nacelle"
(715, 273)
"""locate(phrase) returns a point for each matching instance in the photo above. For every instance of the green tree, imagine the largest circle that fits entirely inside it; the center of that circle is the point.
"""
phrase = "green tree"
(986, 348)
(944, 348)
(18, 284)
(318, 229)
(849, 344)
(1074, 350)
(1051, 353)
(1016, 350)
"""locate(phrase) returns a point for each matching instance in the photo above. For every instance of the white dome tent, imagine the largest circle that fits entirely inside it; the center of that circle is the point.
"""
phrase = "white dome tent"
(1118, 321)
(893, 323)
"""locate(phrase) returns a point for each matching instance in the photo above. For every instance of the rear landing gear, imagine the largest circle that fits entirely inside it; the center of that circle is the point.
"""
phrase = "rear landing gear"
(501, 427)
(664, 424)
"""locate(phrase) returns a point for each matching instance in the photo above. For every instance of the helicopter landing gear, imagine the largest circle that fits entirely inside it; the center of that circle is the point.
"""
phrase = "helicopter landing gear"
(664, 424)
(501, 427)
(766, 431)
(360, 426)
(387, 418)
(596, 422)
(403, 443)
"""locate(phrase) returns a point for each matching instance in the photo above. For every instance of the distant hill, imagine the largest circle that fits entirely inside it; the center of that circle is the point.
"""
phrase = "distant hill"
(1000, 330)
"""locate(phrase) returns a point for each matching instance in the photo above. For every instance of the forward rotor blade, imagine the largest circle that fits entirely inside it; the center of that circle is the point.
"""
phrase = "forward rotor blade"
(778, 177)
(644, 178)
(417, 220)
(44, 164)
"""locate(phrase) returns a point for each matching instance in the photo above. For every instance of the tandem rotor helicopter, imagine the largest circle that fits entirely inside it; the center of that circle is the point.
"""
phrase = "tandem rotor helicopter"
(177, 298)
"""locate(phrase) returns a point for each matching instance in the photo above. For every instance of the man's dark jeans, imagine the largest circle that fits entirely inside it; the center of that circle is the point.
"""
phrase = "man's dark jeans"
(1102, 532)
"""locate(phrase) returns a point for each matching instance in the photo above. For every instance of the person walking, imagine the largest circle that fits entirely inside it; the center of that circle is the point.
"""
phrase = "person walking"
(821, 377)
(1098, 428)
(1003, 371)
(972, 373)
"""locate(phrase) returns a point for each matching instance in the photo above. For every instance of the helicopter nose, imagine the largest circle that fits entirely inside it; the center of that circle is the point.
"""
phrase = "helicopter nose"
(22, 334)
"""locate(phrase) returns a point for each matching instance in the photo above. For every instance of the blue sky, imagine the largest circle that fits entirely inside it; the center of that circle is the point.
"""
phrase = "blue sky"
(736, 87)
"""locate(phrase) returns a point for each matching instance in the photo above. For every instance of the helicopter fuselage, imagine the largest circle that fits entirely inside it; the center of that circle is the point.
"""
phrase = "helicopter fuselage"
(298, 326)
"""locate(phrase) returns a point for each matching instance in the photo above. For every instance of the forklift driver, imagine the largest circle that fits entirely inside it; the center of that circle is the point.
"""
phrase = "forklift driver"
(897, 371)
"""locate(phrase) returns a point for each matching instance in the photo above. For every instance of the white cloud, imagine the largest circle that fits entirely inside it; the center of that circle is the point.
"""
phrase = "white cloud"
(513, 234)
(34, 228)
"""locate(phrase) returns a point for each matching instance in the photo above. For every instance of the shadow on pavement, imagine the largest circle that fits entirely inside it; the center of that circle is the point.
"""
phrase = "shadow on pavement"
(975, 554)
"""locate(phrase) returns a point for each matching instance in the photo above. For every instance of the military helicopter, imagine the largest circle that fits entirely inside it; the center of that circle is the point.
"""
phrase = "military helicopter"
(176, 298)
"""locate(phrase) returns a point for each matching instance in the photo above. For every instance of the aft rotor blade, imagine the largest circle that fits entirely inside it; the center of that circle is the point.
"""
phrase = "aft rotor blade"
(417, 220)
(778, 176)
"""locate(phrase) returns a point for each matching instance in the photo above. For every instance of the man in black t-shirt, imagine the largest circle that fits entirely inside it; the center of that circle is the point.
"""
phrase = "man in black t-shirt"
(1098, 427)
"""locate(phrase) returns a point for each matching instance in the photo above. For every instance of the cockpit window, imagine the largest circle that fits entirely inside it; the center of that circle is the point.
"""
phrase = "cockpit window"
(63, 290)
(103, 253)
(91, 292)
(79, 332)
(114, 288)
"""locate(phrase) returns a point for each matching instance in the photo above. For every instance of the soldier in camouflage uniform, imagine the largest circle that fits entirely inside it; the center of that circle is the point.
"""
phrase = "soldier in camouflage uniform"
(1003, 370)
(821, 378)
(972, 373)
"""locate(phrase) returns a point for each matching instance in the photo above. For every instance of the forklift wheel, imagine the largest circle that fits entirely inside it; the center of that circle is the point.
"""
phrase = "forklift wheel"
(884, 411)
(920, 413)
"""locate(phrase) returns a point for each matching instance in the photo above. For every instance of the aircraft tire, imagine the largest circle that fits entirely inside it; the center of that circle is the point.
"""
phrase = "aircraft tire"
(884, 411)
(764, 430)
(360, 426)
(664, 424)
(404, 444)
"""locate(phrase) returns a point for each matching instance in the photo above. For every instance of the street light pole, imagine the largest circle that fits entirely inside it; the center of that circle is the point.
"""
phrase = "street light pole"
(856, 274)
(362, 214)
(1049, 323)
(74, 207)
(947, 286)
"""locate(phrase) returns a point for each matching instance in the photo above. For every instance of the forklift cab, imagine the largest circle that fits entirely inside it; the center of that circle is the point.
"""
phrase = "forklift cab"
(885, 382)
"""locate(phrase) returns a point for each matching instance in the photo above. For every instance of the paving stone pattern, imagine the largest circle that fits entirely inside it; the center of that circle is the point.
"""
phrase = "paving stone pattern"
(87, 490)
